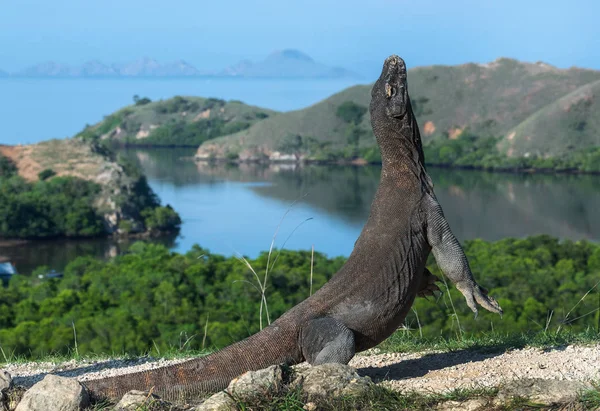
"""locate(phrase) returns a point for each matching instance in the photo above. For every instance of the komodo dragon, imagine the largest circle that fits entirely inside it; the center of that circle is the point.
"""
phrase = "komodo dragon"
(369, 297)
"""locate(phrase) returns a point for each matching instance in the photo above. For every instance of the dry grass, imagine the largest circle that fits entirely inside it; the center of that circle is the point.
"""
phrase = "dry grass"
(68, 157)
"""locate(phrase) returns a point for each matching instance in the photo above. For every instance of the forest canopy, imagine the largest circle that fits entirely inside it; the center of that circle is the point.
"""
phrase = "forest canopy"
(154, 299)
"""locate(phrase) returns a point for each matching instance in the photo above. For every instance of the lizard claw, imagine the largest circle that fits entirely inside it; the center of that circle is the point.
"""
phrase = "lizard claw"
(474, 294)
(429, 288)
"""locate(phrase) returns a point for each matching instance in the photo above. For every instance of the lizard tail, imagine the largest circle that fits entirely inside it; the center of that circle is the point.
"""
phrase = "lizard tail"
(195, 378)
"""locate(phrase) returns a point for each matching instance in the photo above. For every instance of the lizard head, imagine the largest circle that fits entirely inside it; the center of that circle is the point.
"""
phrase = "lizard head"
(390, 90)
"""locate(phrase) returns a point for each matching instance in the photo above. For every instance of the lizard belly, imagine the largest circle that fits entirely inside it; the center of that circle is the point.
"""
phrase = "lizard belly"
(376, 308)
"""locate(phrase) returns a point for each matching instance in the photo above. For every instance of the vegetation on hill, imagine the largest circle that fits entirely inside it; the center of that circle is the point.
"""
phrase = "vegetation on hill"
(527, 115)
(179, 121)
(60, 207)
(153, 299)
(471, 151)
(74, 188)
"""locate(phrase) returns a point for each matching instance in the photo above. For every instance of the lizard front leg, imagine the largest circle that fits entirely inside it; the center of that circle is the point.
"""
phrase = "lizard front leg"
(451, 258)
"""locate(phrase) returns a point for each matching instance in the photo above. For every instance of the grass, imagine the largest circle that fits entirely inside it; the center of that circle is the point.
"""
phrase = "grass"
(590, 399)
(402, 341)
(399, 342)
(172, 353)
(375, 398)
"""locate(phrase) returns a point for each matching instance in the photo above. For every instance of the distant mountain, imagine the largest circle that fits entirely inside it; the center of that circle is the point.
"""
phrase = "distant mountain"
(286, 63)
(48, 69)
(3, 73)
(145, 67)
(96, 68)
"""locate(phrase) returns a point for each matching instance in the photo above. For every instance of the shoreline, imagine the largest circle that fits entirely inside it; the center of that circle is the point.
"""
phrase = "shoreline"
(362, 162)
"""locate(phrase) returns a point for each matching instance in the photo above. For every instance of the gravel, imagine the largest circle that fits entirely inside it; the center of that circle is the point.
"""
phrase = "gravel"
(443, 372)
(424, 372)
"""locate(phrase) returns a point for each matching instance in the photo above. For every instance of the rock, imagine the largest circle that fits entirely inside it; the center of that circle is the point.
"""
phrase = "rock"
(135, 399)
(218, 402)
(542, 391)
(310, 406)
(54, 393)
(475, 404)
(331, 380)
(5, 380)
(255, 383)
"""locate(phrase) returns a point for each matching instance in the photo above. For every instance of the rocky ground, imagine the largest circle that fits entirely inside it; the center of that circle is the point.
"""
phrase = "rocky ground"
(422, 372)
(548, 376)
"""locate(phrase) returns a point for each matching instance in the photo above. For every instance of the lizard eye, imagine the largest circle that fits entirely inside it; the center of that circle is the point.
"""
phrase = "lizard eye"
(389, 90)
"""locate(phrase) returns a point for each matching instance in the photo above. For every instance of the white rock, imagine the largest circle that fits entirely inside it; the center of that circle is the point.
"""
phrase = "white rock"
(5, 380)
(255, 383)
(218, 402)
(135, 399)
(54, 393)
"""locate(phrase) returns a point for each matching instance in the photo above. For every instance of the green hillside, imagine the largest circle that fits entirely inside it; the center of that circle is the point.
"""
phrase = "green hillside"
(316, 131)
(179, 121)
(568, 123)
(489, 100)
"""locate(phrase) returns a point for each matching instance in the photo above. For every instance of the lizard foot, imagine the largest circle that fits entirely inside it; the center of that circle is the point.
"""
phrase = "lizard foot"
(428, 285)
(474, 294)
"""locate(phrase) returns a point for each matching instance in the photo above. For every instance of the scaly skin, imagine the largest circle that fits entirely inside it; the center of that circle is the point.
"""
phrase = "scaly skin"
(371, 294)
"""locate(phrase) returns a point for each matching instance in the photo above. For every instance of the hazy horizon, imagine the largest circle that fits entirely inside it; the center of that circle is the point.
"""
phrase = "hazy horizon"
(357, 36)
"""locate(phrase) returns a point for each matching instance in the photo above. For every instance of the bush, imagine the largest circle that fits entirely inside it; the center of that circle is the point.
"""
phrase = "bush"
(62, 206)
(125, 226)
(181, 133)
(141, 101)
(351, 112)
(46, 174)
(161, 219)
(7, 167)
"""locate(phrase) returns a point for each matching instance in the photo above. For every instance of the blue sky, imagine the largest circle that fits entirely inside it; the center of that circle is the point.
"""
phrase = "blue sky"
(353, 34)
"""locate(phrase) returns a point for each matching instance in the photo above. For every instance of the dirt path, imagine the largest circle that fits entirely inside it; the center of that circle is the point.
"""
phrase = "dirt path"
(428, 372)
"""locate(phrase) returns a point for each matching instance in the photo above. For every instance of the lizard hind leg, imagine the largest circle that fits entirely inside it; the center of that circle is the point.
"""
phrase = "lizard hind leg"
(327, 340)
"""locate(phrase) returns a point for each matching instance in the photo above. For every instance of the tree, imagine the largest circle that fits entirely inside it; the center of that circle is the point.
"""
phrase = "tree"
(351, 112)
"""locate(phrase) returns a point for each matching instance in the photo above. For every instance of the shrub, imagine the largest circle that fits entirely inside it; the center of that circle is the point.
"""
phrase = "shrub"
(7, 167)
(46, 174)
(161, 218)
(141, 101)
(351, 112)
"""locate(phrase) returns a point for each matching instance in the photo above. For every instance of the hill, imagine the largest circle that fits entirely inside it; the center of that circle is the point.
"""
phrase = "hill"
(287, 63)
(179, 121)
(494, 99)
(75, 188)
(315, 132)
(570, 122)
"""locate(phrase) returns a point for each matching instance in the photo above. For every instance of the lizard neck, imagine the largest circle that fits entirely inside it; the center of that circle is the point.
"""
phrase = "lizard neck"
(401, 149)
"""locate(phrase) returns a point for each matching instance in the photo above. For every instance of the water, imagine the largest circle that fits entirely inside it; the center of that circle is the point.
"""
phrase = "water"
(34, 109)
(237, 209)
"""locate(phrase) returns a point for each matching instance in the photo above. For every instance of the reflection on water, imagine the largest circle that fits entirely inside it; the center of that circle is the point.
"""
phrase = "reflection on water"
(230, 208)
(56, 254)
